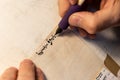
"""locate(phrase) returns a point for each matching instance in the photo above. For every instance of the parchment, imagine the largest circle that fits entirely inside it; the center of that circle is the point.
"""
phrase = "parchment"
(68, 58)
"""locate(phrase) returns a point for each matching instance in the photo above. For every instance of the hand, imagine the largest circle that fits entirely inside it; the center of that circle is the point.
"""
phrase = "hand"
(27, 71)
(89, 23)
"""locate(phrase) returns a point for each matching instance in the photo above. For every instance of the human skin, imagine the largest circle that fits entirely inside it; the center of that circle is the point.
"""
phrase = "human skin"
(27, 71)
(89, 23)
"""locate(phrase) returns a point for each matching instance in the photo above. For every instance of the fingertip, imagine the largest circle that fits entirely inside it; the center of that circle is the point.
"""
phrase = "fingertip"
(27, 61)
(26, 64)
(9, 74)
(26, 70)
(83, 33)
(85, 20)
(63, 6)
(13, 69)
(74, 20)
(62, 13)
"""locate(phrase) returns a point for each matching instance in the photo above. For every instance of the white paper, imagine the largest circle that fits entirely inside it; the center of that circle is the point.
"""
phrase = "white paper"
(105, 74)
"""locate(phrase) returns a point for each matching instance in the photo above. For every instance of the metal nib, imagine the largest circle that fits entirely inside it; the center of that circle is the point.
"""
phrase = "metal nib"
(59, 30)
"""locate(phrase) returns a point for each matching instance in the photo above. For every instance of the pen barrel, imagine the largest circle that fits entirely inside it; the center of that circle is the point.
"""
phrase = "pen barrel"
(64, 22)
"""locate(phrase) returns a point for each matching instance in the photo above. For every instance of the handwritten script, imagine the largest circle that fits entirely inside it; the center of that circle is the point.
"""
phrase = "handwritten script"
(48, 42)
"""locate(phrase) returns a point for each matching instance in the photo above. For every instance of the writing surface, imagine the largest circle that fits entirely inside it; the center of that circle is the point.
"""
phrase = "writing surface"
(67, 59)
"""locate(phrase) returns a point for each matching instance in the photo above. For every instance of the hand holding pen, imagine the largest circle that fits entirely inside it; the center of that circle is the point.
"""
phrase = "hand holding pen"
(90, 22)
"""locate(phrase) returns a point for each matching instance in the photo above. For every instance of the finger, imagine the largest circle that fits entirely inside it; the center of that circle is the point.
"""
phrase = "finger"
(63, 6)
(72, 27)
(82, 32)
(92, 36)
(93, 22)
(103, 2)
(9, 74)
(39, 74)
(82, 20)
(73, 2)
(26, 70)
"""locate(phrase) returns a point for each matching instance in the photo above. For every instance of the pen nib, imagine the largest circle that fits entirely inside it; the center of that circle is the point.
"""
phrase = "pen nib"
(59, 30)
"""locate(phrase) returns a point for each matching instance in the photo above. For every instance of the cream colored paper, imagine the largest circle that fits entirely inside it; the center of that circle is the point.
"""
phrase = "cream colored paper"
(68, 58)
(105, 74)
(23, 26)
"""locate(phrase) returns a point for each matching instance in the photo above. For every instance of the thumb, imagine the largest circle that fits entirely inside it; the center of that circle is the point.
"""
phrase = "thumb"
(83, 20)
(92, 22)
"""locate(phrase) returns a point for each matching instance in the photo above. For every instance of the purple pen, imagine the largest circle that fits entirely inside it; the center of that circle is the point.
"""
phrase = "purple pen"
(64, 22)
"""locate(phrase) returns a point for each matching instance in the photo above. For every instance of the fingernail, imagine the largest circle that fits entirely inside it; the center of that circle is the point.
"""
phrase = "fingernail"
(27, 61)
(82, 33)
(75, 20)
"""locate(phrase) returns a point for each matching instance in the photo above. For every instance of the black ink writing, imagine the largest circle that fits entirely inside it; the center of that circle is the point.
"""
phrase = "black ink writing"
(44, 47)
(99, 76)
(105, 78)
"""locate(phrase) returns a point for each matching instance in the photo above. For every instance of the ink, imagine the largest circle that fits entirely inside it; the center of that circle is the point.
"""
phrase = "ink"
(51, 44)
(39, 53)
(47, 43)
(104, 77)
(99, 76)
